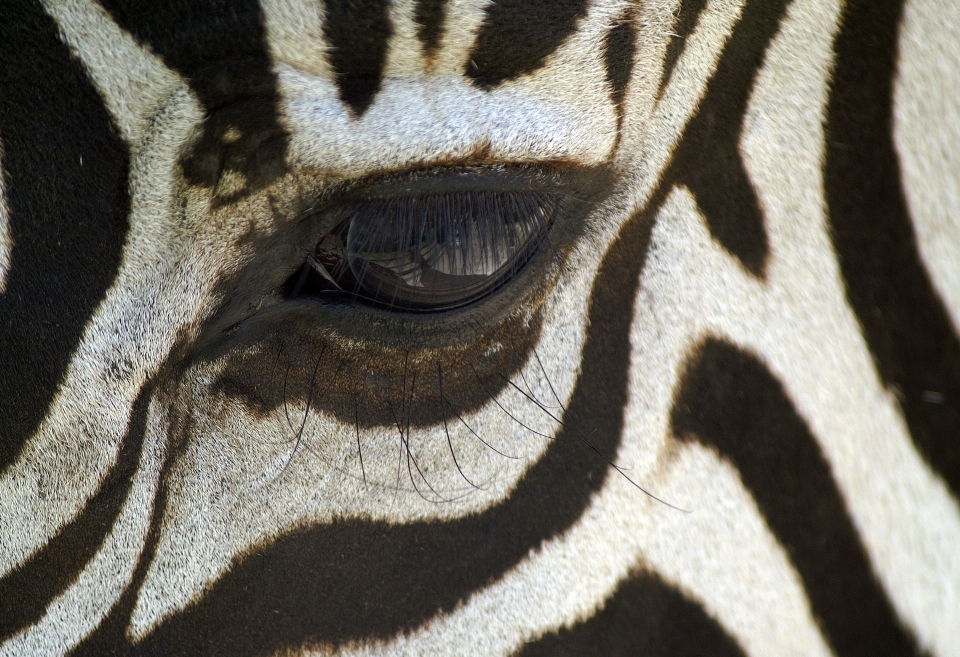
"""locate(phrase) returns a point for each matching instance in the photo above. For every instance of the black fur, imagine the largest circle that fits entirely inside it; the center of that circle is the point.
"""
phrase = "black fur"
(913, 341)
(429, 16)
(618, 50)
(65, 173)
(221, 50)
(358, 33)
(356, 579)
(644, 616)
(686, 21)
(708, 160)
(730, 401)
(27, 591)
(517, 36)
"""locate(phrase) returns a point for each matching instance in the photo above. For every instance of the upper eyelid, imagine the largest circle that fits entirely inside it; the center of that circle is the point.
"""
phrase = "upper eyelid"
(451, 179)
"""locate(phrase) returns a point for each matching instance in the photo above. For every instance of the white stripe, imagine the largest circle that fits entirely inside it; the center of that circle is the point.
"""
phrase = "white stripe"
(927, 131)
(651, 131)
(721, 554)
(691, 287)
(201, 538)
(802, 325)
(462, 22)
(76, 612)
(132, 82)
(295, 35)
(738, 572)
(907, 519)
(123, 344)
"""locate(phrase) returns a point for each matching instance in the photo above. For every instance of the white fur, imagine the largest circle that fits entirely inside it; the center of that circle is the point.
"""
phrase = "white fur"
(464, 18)
(410, 122)
(295, 35)
(77, 611)
(132, 81)
(903, 511)
(154, 297)
(649, 142)
(927, 130)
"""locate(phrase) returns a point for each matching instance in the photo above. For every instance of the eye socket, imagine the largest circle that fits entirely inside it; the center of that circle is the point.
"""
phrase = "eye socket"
(433, 251)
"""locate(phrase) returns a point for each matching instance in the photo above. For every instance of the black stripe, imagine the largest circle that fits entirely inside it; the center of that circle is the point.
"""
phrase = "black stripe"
(645, 616)
(730, 401)
(191, 35)
(517, 36)
(355, 579)
(619, 46)
(684, 24)
(708, 158)
(110, 637)
(68, 219)
(26, 592)
(358, 33)
(222, 52)
(904, 321)
(429, 15)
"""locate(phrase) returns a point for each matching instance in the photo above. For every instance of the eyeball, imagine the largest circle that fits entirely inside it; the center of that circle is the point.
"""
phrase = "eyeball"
(434, 251)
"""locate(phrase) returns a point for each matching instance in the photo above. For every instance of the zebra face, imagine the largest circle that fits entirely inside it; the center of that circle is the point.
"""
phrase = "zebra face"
(255, 390)
(336, 397)
(436, 326)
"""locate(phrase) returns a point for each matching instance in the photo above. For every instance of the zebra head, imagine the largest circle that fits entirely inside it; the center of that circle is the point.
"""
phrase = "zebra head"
(447, 326)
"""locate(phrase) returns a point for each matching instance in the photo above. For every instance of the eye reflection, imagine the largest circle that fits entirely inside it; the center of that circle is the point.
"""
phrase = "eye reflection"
(435, 251)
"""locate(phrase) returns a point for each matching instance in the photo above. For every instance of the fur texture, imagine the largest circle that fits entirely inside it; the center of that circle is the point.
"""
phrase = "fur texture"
(715, 414)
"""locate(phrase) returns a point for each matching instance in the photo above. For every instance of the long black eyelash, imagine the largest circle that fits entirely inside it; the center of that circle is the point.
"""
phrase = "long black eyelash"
(584, 438)
(356, 415)
(446, 428)
(494, 399)
(505, 224)
(403, 425)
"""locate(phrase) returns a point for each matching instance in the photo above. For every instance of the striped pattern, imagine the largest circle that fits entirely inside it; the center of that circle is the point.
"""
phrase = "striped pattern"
(717, 416)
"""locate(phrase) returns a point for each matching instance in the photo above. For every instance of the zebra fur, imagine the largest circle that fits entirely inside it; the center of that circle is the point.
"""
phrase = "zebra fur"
(727, 413)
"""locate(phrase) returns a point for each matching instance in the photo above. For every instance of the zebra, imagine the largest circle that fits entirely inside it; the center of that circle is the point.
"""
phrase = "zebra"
(479, 327)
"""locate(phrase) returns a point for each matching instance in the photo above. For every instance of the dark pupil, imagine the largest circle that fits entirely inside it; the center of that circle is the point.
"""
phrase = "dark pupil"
(433, 252)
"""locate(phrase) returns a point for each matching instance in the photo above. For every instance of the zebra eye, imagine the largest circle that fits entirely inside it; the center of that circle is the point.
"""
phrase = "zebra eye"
(432, 252)
(425, 250)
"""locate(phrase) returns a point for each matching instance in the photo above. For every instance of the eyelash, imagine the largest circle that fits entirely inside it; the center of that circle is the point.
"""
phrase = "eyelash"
(426, 253)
